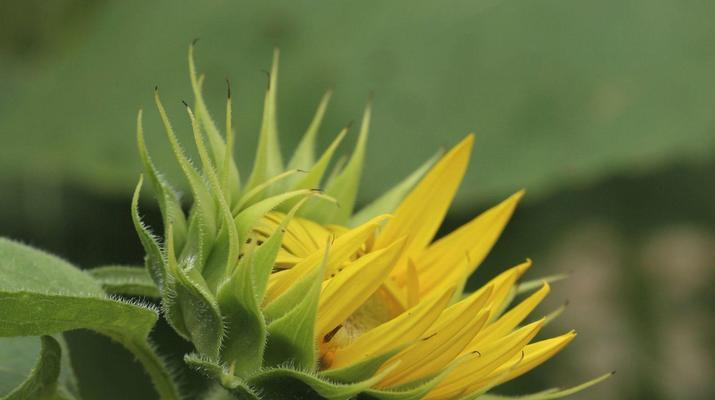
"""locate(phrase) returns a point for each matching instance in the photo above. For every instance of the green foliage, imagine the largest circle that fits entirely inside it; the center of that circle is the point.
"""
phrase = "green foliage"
(124, 280)
(25, 355)
(42, 383)
(43, 295)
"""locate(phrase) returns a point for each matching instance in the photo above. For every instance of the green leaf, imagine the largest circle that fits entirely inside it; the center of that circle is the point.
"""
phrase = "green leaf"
(18, 356)
(42, 295)
(42, 384)
(125, 280)
(389, 200)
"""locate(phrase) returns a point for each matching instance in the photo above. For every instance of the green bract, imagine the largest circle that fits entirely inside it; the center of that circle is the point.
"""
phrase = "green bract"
(212, 279)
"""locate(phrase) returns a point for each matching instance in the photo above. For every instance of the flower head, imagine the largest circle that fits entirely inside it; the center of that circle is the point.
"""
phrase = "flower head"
(283, 289)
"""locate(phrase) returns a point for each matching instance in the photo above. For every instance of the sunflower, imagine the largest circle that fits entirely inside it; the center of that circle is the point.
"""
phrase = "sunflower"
(286, 293)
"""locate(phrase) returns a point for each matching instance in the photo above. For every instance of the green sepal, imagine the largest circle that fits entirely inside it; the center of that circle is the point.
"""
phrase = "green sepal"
(189, 307)
(304, 155)
(42, 383)
(237, 387)
(166, 196)
(240, 298)
(217, 264)
(313, 177)
(533, 284)
(153, 260)
(388, 201)
(344, 187)
(225, 251)
(361, 370)
(247, 219)
(219, 149)
(268, 162)
(291, 337)
(550, 317)
(125, 280)
(292, 384)
(413, 390)
(203, 216)
(549, 394)
(337, 169)
(264, 258)
(245, 325)
(284, 303)
(522, 288)
(257, 194)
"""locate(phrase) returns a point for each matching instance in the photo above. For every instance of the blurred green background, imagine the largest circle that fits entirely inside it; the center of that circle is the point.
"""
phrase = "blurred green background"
(603, 110)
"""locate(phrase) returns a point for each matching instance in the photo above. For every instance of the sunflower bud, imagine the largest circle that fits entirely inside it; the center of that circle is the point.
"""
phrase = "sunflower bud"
(285, 292)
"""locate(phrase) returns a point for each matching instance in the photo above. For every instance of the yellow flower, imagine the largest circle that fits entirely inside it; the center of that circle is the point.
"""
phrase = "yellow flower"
(274, 281)
(392, 289)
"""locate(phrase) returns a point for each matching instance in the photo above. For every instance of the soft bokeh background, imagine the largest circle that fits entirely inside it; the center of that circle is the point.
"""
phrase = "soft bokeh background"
(603, 110)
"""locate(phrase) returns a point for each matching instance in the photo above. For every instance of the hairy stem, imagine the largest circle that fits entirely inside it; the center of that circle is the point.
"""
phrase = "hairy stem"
(155, 367)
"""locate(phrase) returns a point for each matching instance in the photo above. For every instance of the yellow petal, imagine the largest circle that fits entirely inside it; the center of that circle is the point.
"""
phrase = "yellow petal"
(285, 260)
(473, 304)
(413, 284)
(437, 348)
(487, 359)
(349, 289)
(399, 331)
(471, 243)
(511, 319)
(534, 355)
(394, 296)
(343, 247)
(297, 240)
(419, 216)
(504, 285)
